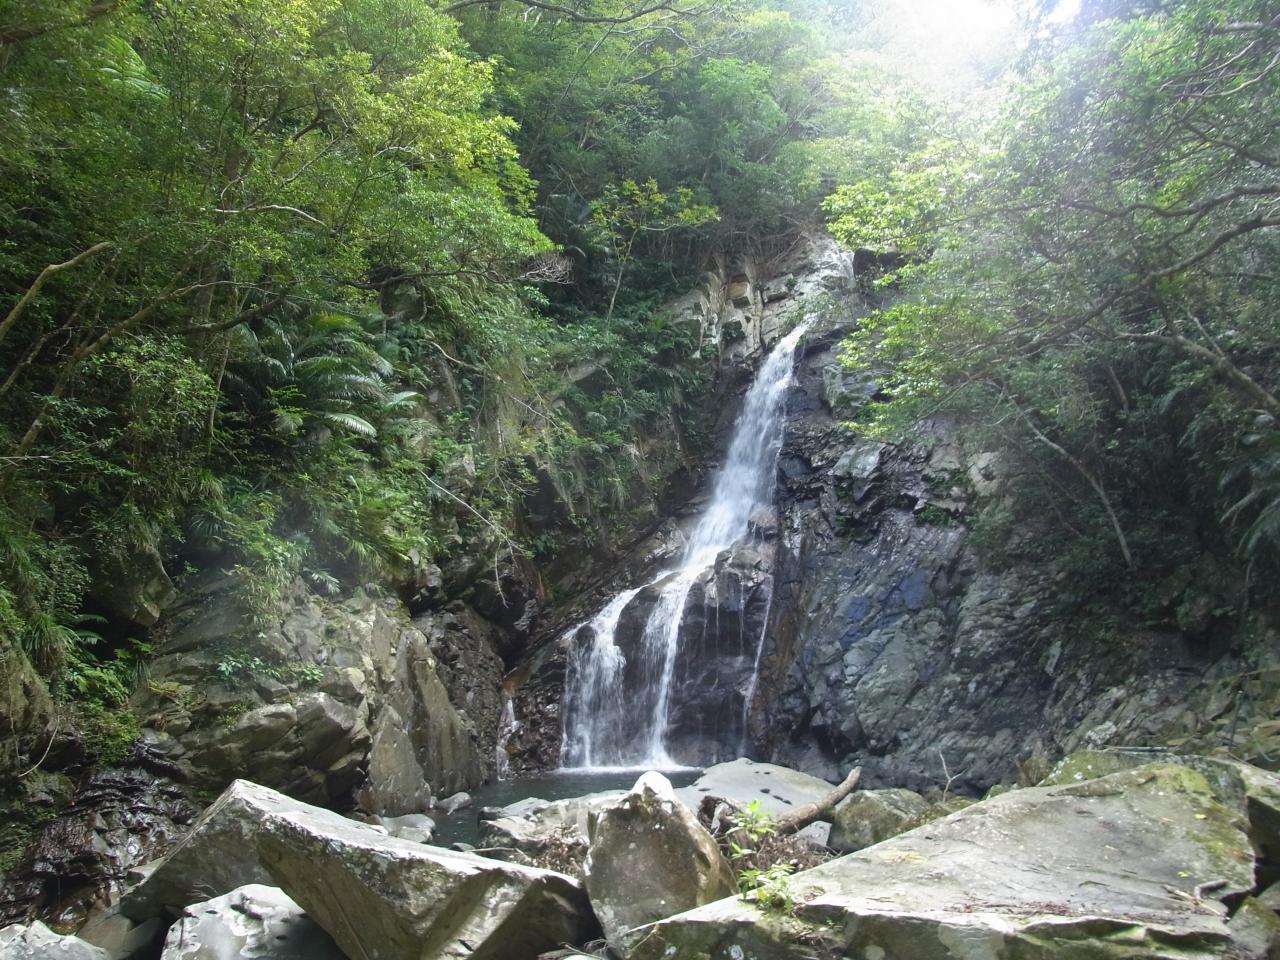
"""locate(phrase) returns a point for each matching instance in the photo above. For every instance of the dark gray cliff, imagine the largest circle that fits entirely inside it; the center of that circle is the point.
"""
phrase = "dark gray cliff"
(894, 647)
(889, 643)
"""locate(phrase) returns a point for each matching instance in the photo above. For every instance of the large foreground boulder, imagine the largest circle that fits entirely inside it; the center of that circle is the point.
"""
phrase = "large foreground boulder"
(651, 858)
(1254, 792)
(217, 856)
(390, 899)
(377, 896)
(1130, 865)
(254, 922)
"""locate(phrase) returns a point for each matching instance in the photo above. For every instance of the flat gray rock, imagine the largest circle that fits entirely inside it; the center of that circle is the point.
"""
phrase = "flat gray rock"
(778, 789)
(417, 827)
(1101, 869)
(568, 820)
(253, 922)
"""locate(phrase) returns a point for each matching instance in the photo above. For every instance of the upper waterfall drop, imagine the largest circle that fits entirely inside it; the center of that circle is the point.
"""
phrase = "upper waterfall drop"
(618, 702)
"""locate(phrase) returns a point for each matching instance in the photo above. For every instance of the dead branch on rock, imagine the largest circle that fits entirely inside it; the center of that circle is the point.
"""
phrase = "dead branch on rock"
(801, 817)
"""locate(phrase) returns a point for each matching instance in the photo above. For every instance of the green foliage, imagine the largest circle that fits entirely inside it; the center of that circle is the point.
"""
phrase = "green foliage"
(239, 663)
(759, 875)
(1089, 299)
(107, 681)
(215, 375)
(896, 215)
(769, 888)
(108, 733)
(753, 823)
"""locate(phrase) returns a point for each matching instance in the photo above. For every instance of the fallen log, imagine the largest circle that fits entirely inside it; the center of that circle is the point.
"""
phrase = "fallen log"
(799, 818)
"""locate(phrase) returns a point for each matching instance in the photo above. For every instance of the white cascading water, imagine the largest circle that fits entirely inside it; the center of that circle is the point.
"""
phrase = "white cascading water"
(616, 713)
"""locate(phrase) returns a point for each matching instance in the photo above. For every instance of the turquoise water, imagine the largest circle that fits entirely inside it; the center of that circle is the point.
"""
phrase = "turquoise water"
(463, 827)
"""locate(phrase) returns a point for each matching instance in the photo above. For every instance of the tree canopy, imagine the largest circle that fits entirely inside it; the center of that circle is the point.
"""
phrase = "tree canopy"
(1092, 287)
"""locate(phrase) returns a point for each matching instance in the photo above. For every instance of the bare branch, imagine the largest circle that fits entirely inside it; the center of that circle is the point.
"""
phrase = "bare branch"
(1236, 193)
(574, 15)
(1220, 365)
(12, 317)
(12, 35)
(275, 206)
(1089, 478)
(796, 820)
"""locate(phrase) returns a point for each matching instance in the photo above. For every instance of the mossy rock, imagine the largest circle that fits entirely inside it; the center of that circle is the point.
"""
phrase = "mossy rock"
(1089, 870)
(868, 817)
(1090, 765)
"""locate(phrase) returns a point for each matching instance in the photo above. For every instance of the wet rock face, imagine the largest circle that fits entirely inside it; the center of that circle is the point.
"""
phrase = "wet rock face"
(720, 637)
(893, 648)
(117, 819)
(722, 623)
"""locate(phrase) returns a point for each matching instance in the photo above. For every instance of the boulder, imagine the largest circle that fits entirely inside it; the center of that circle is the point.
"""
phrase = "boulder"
(253, 921)
(1254, 792)
(134, 585)
(870, 816)
(38, 942)
(778, 790)
(527, 825)
(451, 805)
(555, 834)
(417, 827)
(381, 897)
(650, 858)
(1090, 765)
(1256, 929)
(405, 899)
(218, 855)
(1129, 865)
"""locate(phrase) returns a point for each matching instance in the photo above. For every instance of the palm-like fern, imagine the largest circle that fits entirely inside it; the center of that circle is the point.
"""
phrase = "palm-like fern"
(313, 375)
(1259, 507)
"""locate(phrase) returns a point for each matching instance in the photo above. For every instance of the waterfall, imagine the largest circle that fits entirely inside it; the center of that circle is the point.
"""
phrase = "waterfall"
(616, 709)
(508, 726)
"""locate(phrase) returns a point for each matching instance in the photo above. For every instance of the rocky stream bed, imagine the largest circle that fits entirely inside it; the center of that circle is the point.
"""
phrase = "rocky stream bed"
(1111, 855)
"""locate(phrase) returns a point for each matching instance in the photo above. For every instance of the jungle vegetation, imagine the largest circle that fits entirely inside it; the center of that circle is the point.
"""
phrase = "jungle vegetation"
(340, 289)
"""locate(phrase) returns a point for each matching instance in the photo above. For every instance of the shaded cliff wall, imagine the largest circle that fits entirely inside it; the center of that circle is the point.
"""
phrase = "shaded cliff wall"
(894, 646)
(890, 642)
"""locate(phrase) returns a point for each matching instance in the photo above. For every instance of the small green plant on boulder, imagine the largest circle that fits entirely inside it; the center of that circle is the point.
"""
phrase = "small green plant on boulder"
(751, 829)
(770, 886)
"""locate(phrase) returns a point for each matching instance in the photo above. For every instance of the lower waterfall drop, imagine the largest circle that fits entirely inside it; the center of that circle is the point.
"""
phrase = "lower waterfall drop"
(618, 702)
